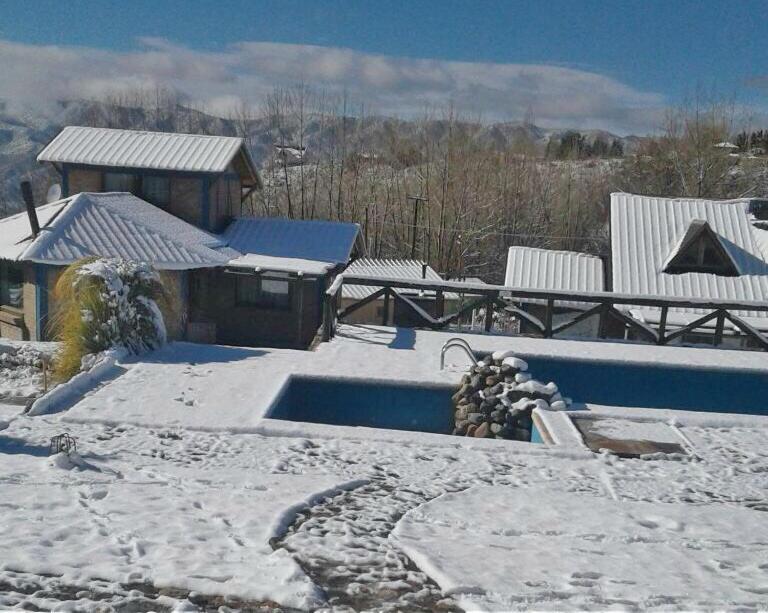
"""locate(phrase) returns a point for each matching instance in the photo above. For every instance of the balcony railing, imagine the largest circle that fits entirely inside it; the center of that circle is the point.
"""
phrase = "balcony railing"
(493, 301)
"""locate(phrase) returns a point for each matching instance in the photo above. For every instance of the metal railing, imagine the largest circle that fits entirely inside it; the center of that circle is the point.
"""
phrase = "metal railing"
(494, 300)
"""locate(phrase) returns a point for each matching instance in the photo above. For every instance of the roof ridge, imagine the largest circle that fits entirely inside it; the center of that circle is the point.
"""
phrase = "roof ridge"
(152, 132)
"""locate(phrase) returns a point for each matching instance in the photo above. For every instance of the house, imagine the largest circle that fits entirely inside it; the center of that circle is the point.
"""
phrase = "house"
(532, 268)
(203, 180)
(690, 248)
(175, 201)
(385, 312)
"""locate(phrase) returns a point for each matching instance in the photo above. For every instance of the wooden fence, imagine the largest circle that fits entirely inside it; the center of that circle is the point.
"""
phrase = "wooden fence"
(497, 299)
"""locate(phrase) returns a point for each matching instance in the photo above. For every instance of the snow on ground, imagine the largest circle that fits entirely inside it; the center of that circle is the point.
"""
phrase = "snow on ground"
(21, 375)
(561, 550)
(176, 488)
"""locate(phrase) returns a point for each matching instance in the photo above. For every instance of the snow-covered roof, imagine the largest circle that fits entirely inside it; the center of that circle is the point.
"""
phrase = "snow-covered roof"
(114, 224)
(646, 230)
(386, 269)
(137, 149)
(290, 245)
(547, 269)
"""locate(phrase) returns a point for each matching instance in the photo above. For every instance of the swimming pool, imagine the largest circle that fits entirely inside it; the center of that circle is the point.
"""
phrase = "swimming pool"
(349, 402)
(655, 386)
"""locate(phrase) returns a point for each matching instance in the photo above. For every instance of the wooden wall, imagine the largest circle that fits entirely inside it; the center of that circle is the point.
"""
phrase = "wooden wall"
(212, 299)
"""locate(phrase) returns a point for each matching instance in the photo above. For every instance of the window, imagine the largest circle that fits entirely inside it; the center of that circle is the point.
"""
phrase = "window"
(11, 285)
(156, 190)
(273, 292)
(120, 182)
(701, 251)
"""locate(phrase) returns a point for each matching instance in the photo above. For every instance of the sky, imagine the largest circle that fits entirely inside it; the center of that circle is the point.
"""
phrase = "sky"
(612, 64)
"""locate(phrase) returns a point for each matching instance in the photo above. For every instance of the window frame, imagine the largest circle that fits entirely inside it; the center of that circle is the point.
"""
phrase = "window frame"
(135, 180)
(260, 302)
(143, 179)
(6, 270)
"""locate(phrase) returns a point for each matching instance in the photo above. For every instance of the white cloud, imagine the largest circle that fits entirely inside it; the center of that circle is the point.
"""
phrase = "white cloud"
(246, 71)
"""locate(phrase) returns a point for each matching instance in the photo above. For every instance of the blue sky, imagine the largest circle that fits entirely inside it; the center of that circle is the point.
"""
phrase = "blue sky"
(641, 55)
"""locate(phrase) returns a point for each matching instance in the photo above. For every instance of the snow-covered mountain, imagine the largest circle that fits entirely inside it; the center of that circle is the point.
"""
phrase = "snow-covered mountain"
(24, 133)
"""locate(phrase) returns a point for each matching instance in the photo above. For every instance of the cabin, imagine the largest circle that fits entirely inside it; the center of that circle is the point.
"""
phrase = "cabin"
(531, 268)
(177, 202)
(691, 248)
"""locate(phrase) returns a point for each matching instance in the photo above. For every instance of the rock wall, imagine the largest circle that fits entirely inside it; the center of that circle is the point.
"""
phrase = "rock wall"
(496, 398)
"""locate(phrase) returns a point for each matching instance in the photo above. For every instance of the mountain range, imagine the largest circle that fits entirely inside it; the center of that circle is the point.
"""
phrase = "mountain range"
(24, 134)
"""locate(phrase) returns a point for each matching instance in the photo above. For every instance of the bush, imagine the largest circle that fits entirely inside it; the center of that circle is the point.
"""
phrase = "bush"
(106, 303)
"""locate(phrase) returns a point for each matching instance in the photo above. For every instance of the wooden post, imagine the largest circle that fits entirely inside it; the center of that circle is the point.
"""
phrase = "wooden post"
(326, 318)
(548, 318)
(300, 308)
(385, 316)
(720, 324)
(601, 331)
(439, 304)
(663, 326)
(488, 313)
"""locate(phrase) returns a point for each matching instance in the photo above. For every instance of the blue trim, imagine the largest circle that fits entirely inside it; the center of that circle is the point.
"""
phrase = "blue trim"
(41, 300)
(205, 212)
(64, 182)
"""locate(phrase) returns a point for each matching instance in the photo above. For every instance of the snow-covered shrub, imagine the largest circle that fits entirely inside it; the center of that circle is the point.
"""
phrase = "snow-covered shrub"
(105, 303)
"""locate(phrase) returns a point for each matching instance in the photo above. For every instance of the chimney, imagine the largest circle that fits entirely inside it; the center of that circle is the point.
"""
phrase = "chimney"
(29, 201)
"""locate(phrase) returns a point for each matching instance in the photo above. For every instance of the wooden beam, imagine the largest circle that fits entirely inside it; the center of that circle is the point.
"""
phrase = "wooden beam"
(362, 302)
(749, 330)
(595, 310)
(692, 326)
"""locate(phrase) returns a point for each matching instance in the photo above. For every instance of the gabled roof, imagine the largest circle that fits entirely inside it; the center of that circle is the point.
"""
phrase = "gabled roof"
(700, 241)
(645, 230)
(386, 269)
(547, 269)
(290, 245)
(148, 150)
(109, 225)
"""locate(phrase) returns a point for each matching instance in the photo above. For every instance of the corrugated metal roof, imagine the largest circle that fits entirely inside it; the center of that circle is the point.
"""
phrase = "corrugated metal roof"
(136, 149)
(112, 225)
(390, 269)
(645, 230)
(546, 269)
(326, 242)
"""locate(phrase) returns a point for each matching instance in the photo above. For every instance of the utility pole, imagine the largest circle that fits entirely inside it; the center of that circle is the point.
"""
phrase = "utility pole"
(417, 200)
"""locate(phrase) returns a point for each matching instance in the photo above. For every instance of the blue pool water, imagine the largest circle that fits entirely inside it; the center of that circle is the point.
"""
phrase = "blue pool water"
(650, 386)
(343, 402)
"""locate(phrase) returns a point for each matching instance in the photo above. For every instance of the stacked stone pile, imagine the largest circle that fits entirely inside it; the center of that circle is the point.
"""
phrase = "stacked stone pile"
(496, 398)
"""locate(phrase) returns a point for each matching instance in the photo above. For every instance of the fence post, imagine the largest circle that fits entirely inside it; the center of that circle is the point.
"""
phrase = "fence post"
(603, 321)
(488, 313)
(326, 318)
(385, 315)
(663, 326)
(719, 327)
(548, 318)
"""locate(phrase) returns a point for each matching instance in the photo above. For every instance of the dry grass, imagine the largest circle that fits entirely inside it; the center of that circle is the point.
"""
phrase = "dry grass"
(83, 315)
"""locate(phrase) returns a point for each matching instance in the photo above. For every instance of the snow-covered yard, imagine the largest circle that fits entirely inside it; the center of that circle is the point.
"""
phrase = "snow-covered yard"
(182, 486)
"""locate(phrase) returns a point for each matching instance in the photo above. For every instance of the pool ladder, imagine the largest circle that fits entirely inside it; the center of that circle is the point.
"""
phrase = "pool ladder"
(461, 344)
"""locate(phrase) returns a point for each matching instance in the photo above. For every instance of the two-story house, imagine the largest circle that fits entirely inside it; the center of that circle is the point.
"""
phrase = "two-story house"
(176, 201)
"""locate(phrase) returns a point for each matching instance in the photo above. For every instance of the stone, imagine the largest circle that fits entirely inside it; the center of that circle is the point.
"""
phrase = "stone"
(495, 390)
(477, 382)
(464, 390)
(461, 413)
(522, 377)
(475, 418)
(461, 428)
(496, 428)
(471, 428)
(482, 431)
(491, 380)
(491, 401)
(521, 434)
(465, 379)
(498, 415)
(525, 421)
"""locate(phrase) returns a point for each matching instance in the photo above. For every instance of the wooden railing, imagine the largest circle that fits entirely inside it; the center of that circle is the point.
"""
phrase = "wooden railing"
(498, 299)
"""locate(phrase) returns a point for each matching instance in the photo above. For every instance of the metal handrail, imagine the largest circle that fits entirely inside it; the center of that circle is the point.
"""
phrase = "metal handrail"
(456, 342)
